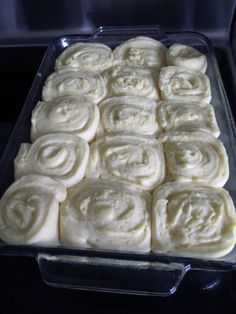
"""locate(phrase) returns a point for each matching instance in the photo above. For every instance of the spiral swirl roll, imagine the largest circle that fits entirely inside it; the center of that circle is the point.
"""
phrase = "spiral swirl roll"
(186, 56)
(74, 83)
(141, 52)
(193, 220)
(137, 160)
(131, 114)
(195, 157)
(104, 214)
(125, 81)
(72, 114)
(177, 115)
(88, 56)
(180, 83)
(61, 156)
(29, 211)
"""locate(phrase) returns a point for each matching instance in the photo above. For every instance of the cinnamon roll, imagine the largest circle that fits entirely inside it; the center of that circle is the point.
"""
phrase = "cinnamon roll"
(180, 83)
(193, 220)
(186, 56)
(131, 114)
(137, 160)
(195, 157)
(125, 81)
(104, 214)
(69, 82)
(141, 51)
(29, 211)
(61, 156)
(72, 114)
(181, 115)
(88, 56)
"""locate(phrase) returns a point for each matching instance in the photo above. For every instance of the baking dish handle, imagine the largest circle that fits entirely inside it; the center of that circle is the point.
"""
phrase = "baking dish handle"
(111, 275)
(149, 30)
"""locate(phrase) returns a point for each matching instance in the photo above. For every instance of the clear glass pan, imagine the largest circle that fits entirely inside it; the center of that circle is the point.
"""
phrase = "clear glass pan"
(101, 270)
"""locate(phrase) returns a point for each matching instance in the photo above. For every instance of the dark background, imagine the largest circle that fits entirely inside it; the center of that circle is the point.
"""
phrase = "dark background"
(26, 27)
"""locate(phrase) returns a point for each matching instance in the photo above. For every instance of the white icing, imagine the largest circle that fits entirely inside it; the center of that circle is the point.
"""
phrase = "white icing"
(61, 156)
(138, 160)
(195, 157)
(186, 56)
(29, 211)
(132, 114)
(72, 114)
(103, 214)
(193, 220)
(184, 84)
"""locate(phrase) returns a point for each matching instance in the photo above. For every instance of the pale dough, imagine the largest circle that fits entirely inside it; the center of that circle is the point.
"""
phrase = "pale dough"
(29, 211)
(104, 214)
(193, 220)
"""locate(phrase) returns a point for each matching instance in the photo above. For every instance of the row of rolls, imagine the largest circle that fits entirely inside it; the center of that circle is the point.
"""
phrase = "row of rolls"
(124, 155)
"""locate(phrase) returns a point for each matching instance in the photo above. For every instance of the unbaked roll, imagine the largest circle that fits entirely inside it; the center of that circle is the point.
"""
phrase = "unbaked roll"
(72, 114)
(61, 156)
(193, 220)
(137, 160)
(131, 114)
(124, 81)
(142, 52)
(88, 56)
(195, 157)
(29, 211)
(186, 56)
(104, 214)
(181, 115)
(180, 83)
(70, 82)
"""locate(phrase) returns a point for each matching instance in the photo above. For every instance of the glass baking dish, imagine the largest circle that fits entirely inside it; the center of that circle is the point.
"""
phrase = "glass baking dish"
(101, 270)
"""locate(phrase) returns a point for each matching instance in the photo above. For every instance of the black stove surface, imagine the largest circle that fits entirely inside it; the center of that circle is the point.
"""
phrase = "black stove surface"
(22, 289)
